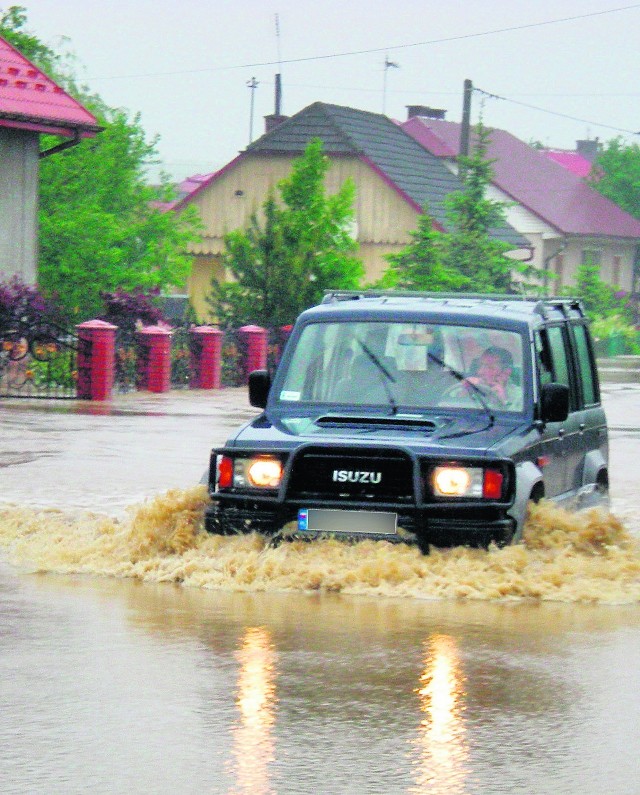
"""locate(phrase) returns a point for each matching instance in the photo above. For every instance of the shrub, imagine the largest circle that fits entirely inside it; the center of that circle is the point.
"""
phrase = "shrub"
(127, 310)
(22, 306)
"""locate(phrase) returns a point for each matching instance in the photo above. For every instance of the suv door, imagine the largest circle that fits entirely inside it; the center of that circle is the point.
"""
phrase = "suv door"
(560, 440)
(591, 417)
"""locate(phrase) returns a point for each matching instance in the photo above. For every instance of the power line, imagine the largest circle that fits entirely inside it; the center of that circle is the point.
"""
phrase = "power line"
(556, 113)
(456, 93)
(370, 51)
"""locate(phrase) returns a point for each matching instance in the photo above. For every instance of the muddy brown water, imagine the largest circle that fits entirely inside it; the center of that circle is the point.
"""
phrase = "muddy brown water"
(140, 656)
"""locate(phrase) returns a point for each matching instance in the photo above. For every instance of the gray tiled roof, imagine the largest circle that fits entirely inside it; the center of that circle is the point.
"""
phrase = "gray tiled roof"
(413, 170)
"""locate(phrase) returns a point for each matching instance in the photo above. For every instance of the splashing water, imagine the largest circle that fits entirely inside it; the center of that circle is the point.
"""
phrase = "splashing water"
(587, 557)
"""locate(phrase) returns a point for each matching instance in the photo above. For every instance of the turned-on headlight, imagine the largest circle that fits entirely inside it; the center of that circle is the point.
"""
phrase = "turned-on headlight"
(459, 481)
(256, 472)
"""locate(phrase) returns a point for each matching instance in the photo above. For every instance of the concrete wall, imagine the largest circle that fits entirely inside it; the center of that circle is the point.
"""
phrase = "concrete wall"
(18, 204)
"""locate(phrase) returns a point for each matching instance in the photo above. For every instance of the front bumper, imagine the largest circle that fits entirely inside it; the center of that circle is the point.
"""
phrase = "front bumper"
(473, 525)
(394, 480)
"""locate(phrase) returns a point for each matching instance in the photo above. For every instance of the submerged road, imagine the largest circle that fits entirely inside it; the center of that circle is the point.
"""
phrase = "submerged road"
(104, 456)
(112, 685)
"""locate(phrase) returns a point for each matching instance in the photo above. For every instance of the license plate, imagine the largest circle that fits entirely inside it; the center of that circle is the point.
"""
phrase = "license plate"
(327, 520)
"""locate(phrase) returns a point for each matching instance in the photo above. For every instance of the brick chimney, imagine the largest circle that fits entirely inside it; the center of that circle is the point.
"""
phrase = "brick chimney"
(588, 149)
(425, 111)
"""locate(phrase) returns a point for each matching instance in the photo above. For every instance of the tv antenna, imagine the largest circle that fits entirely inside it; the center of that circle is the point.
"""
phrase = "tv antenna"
(387, 65)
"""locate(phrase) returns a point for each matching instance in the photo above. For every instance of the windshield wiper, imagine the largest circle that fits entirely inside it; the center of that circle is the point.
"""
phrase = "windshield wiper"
(387, 375)
(477, 392)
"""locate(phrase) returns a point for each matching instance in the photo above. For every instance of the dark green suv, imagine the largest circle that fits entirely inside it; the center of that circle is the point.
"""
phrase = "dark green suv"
(426, 418)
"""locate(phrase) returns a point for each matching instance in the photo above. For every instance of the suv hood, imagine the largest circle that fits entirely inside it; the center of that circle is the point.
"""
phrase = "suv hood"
(471, 433)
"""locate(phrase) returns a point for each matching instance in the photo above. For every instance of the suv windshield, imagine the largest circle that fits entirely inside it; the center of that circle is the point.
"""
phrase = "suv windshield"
(414, 365)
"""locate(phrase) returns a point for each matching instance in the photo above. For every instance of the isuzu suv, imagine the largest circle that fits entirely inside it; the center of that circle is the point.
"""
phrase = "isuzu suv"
(424, 418)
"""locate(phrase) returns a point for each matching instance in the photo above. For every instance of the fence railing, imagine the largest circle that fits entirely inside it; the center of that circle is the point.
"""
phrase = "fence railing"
(45, 361)
(39, 361)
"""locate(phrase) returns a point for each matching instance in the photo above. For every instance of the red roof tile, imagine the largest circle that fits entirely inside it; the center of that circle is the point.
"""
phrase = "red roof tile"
(573, 161)
(550, 191)
(31, 100)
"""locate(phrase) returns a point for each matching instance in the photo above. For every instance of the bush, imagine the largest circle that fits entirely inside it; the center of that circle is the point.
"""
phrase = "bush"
(127, 310)
(23, 306)
(615, 335)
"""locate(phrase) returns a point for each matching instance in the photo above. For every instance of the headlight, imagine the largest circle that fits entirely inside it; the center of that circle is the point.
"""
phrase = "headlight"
(459, 481)
(262, 472)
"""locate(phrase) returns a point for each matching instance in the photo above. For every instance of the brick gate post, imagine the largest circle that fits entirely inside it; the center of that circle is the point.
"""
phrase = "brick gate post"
(96, 360)
(154, 361)
(206, 357)
(255, 339)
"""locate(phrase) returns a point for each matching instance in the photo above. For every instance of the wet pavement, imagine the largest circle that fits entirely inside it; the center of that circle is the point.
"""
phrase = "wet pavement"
(110, 684)
(109, 455)
(104, 456)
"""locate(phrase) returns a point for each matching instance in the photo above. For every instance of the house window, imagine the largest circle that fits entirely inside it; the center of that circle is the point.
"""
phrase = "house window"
(559, 271)
(616, 271)
(591, 256)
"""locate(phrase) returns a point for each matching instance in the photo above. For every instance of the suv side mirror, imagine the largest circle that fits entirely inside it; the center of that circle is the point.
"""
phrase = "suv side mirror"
(259, 386)
(554, 402)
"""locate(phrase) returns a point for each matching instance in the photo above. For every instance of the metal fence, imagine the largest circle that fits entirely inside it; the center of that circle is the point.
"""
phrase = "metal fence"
(39, 361)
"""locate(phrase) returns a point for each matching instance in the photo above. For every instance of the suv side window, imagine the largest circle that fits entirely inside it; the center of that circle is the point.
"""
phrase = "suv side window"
(585, 366)
(543, 358)
(559, 348)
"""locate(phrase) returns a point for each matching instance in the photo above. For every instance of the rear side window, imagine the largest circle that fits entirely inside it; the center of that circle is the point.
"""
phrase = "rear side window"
(560, 362)
(559, 355)
(543, 358)
(585, 366)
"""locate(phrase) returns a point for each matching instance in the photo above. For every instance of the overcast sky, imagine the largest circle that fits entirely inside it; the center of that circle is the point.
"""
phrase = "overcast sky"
(185, 66)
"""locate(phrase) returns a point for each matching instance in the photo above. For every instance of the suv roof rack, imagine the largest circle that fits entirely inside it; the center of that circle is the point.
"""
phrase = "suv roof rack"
(563, 303)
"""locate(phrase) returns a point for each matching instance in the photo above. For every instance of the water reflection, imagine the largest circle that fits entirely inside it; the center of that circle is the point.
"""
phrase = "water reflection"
(441, 745)
(253, 743)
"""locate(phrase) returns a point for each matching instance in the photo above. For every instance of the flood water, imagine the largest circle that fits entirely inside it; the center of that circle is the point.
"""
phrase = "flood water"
(138, 655)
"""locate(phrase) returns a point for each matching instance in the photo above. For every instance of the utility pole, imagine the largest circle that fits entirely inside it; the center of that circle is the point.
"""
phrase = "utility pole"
(252, 84)
(387, 65)
(466, 118)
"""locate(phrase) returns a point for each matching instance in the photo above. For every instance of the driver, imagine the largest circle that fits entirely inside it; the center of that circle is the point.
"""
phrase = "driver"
(493, 373)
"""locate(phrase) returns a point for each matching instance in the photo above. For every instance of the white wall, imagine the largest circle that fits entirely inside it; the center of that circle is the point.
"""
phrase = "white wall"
(18, 204)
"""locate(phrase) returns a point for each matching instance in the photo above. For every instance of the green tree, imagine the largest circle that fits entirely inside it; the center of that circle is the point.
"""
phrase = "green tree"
(12, 28)
(470, 248)
(617, 175)
(288, 257)
(100, 226)
(420, 265)
(597, 296)
(468, 257)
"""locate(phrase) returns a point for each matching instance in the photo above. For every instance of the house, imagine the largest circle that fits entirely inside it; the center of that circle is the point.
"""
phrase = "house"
(580, 161)
(566, 221)
(30, 104)
(395, 177)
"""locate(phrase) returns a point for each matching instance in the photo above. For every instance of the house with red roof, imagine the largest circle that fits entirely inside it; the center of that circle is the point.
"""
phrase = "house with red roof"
(574, 160)
(550, 202)
(30, 104)
(394, 177)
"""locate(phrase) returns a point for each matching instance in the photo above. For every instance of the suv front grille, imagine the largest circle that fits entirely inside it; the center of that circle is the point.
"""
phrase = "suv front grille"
(338, 473)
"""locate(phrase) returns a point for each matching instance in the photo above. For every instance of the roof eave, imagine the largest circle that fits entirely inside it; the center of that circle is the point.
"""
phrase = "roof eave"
(31, 124)
(394, 186)
(179, 205)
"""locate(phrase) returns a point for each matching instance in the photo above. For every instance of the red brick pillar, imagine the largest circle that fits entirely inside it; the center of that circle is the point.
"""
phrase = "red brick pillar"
(154, 359)
(206, 357)
(255, 341)
(96, 360)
